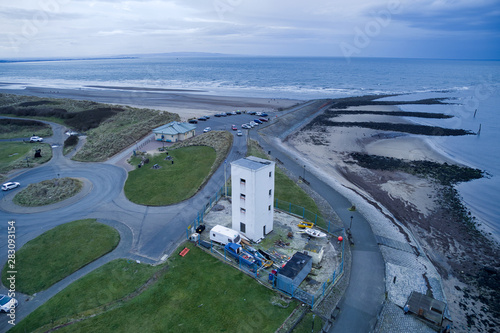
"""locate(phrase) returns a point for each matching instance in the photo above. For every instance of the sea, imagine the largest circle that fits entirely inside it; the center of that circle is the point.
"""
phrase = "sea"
(471, 87)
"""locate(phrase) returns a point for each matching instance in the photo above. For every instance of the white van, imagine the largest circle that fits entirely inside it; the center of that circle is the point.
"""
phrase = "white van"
(223, 235)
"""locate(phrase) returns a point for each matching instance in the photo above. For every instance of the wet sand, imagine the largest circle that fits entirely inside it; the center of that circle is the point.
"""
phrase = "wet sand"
(468, 279)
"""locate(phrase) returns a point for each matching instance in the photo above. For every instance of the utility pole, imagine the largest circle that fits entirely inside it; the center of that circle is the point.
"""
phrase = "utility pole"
(225, 178)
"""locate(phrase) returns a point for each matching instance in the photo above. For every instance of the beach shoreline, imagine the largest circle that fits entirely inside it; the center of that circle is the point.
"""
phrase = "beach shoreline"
(389, 198)
(187, 103)
(404, 200)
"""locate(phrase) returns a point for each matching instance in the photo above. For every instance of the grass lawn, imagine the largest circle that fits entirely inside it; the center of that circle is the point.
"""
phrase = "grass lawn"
(48, 192)
(196, 293)
(59, 252)
(13, 156)
(93, 293)
(306, 324)
(171, 183)
(11, 153)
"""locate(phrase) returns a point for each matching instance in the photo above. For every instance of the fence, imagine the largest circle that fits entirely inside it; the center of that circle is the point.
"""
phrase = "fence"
(258, 272)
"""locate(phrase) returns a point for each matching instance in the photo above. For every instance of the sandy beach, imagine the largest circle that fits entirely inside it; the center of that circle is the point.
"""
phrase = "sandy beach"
(395, 198)
(397, 203)
(186, 103)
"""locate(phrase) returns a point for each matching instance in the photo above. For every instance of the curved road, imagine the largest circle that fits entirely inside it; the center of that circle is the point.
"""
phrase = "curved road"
(147, 233)
(365, 294)
(150, 233)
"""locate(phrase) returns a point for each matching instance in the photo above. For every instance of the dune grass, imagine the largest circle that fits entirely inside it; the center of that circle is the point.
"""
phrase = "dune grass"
(171, 183)
(59, 252)
(196, 293)
(48, 192)
(21, 128)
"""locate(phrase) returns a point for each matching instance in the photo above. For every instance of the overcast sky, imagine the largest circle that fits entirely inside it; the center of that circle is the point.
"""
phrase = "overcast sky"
(366, 28)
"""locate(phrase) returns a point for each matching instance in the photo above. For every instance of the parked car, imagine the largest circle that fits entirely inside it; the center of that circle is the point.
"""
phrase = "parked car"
(239, 133)
(238, 112)
(264, 119)
(7, 303)
(263, 114)
(36, 139)
(246, 126)
(252, 113)
(207, 129)
(202, 118)
(10, 186)
(253, 123)
(218, 115)
(234, 128)
(257, 121)
(193, 121)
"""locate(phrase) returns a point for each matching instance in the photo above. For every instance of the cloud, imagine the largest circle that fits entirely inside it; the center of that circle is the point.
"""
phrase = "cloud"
(293, 27)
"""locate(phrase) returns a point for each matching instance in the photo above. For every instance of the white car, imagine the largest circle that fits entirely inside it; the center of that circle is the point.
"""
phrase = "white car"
(239, 133)
(10, 186)
(7, 303)
(207, 129)
(246, 126)
(36, 139)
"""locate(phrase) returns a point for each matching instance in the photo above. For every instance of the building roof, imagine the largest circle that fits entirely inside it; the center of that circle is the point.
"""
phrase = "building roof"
(174, 128)
(295, 265)
(252, 163)
(427, 307)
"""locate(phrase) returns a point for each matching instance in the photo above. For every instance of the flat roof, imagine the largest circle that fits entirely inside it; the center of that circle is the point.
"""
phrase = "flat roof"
(295, 265)
(252, 163)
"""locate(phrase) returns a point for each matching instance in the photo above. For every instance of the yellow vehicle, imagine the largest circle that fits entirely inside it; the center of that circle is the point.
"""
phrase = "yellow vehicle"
(305, 224)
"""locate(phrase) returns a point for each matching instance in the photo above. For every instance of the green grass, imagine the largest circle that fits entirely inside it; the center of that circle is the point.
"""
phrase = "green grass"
(285, 188)
(171, 183)
(197, 293)
(59, 252)
(48, 192)
(93, 293)
(11, 153)
(13, 156)
(306, 324)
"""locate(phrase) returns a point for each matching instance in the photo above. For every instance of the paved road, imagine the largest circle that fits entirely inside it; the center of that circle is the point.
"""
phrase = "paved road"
(366, 291)
(147, 233)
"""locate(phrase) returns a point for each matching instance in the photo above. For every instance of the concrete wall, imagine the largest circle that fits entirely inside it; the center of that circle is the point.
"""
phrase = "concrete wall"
(251, 202)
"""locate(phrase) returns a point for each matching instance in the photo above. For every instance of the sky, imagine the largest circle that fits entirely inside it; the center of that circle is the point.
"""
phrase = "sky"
(449, 29)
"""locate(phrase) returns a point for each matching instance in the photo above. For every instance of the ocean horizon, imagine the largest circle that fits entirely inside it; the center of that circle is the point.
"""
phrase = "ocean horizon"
(470, 86)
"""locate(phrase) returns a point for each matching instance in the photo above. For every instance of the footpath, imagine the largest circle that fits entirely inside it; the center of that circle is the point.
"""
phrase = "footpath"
(387, 262)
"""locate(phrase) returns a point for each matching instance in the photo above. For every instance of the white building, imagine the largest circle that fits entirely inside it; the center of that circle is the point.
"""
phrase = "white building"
(174, 131)
(252, 187)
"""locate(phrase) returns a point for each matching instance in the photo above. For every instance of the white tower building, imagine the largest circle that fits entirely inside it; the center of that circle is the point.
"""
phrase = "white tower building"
(252, 187)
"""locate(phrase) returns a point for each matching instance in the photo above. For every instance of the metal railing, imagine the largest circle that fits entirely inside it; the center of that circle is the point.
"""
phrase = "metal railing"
(259, 273)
